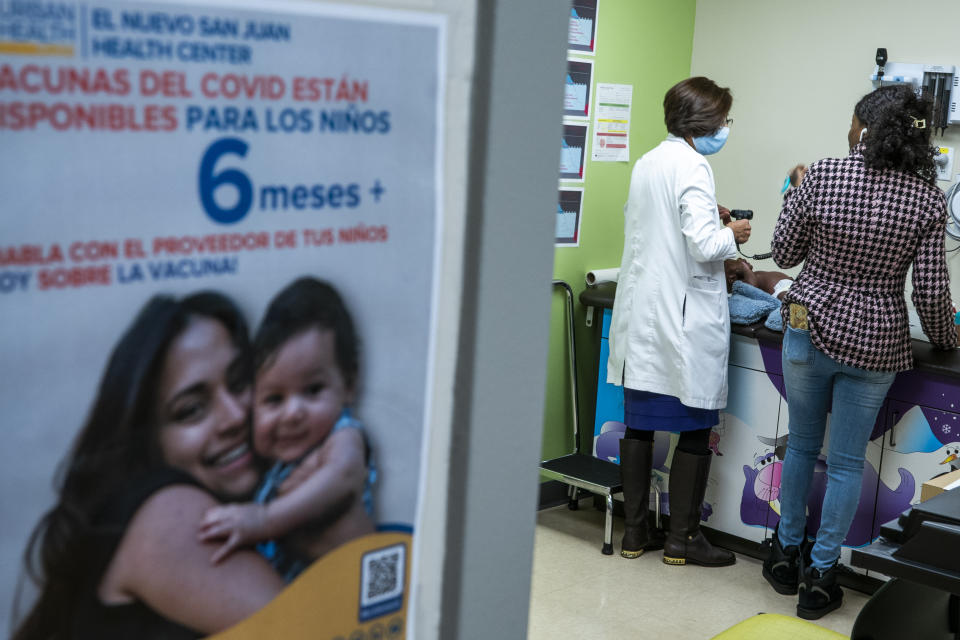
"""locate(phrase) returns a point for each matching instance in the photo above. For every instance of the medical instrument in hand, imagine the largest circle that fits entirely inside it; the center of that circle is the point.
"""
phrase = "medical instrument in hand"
(747, 214)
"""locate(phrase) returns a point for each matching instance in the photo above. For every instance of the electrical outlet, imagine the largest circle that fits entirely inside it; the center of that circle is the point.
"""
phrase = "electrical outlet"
(944, 163)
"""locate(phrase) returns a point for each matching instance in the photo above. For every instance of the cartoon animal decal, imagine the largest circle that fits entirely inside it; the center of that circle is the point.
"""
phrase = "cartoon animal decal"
(715, 443)
(608, 442)
(951, 451)
(890, 504)
(766, 485)
(706, 510)
(760, 499)
(769, 466)
(608, 445)
(945, 427)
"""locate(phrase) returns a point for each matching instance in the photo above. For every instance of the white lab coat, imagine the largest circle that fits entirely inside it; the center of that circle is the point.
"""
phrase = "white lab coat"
(670, 331)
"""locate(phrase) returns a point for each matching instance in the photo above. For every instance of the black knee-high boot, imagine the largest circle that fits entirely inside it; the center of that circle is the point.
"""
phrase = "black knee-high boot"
(685, 543)
(636, 464)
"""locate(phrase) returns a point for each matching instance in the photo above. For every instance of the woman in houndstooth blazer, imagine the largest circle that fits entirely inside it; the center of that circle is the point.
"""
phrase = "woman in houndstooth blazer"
(858, 224)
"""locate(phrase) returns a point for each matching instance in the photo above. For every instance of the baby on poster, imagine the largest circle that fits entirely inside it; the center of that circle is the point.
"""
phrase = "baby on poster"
(317, 494)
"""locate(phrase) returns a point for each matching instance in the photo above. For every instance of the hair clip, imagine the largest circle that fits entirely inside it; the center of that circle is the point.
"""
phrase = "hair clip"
(919, 124)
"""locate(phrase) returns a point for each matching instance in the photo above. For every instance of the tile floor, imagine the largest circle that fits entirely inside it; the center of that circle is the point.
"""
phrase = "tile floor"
(578, 593)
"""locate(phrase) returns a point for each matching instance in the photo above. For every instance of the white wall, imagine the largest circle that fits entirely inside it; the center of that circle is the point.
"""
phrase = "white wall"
(796, 70)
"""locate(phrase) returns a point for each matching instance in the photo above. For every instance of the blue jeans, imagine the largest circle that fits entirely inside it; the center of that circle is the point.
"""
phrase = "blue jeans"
(813, 379)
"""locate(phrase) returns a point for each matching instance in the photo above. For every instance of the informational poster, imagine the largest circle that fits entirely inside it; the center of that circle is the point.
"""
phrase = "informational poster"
(611, 124)
(573, 151)
(569, 207)
(576, 96)
(582, 36)
(282, 158)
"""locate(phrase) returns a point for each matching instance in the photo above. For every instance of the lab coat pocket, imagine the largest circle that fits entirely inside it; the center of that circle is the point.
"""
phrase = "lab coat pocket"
(797, 348)
(704, 326)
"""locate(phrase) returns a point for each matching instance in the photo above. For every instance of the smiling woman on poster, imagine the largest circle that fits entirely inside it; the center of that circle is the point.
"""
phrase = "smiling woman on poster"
(118, 556)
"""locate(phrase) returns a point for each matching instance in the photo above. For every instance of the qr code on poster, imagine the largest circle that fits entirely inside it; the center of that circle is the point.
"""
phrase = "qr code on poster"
(381, 581)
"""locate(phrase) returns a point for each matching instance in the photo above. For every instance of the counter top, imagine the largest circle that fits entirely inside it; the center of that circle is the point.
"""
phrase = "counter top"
(926, 359)
(601, 295)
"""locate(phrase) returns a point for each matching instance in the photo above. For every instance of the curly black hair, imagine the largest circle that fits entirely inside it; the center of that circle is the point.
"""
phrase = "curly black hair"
(897, 135)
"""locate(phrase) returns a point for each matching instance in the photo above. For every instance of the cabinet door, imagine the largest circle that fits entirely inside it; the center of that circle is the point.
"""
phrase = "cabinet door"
(920, 443)
(743, 491)
(927, 390)
(608, 424)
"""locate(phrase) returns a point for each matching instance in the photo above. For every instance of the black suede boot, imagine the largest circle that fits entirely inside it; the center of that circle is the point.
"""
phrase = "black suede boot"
(819, 592)
(686, 543)
(782, 567)
(636, 464)
(657, 538)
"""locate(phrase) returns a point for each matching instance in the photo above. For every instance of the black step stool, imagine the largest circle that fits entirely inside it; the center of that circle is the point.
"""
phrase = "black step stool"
(580, 470)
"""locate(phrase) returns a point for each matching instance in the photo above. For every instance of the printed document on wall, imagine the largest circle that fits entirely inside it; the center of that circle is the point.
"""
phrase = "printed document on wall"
(213, 212)
(573, 150)
(582, 35)
(576, 89)
(569, 208)
(611, 126)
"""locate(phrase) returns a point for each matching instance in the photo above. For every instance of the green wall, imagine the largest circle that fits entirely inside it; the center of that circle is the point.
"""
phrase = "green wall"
(646, 43)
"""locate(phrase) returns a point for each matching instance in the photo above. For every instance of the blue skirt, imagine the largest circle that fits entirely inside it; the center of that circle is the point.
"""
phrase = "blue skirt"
(648, 411)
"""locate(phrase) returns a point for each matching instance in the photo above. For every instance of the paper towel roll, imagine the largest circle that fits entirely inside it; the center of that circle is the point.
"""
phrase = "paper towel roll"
(599, 276)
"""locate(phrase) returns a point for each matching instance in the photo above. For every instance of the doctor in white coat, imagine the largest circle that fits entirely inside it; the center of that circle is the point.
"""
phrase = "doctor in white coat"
(670, 333)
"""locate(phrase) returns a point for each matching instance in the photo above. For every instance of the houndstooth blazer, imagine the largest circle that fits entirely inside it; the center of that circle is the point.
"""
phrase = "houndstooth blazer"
(858, 231)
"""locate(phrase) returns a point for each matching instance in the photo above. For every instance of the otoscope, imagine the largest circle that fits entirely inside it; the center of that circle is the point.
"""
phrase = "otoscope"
(747, 214)
(881, 61)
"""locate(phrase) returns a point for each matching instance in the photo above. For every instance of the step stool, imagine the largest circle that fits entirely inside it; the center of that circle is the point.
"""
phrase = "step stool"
(579, 470)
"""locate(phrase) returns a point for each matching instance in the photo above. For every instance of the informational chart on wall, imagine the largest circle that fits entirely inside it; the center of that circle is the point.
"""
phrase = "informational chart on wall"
(577, 105)
(611, 125)
(576, 96)
(573, 147)
(582, 36)
(217, 272)
(569, 207)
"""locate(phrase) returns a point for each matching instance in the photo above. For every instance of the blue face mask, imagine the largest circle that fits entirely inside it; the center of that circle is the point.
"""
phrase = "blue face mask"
(711, 144)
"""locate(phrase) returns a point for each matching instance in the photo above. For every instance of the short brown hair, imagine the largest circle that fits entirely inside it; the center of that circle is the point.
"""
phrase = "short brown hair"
(696, 107)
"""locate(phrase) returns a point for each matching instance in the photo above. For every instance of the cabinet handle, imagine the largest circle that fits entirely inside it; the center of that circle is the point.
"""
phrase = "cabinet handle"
(896, 419)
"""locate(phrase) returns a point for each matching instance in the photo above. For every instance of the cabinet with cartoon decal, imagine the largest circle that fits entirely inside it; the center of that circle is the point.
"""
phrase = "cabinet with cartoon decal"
(754, 429)
(920, 439)
(916, 437)
(744, 483)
